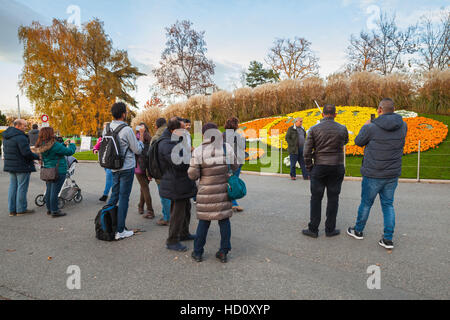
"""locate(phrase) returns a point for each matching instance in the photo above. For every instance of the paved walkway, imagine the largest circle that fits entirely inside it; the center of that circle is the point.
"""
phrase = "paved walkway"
(270, 258)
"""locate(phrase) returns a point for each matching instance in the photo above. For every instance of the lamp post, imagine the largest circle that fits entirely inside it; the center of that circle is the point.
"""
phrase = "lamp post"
(18, 105)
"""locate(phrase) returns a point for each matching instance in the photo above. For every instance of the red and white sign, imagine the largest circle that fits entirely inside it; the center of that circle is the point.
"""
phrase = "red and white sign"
(44, 118)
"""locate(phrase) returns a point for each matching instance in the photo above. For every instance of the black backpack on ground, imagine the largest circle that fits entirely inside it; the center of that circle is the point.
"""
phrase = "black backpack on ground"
(106, 223)
(154, 167)
(109, 154)
(142, 159)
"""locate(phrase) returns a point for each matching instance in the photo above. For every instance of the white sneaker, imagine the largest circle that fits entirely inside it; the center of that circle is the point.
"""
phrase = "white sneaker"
(124, 234)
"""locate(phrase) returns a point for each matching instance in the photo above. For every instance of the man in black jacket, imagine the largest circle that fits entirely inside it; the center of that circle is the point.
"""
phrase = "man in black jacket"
(19, 163)
(325, 145)
(384, 139)
(174, 157)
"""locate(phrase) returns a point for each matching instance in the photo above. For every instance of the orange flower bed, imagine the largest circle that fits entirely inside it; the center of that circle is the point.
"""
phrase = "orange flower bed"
(251, 129)
(430, 132)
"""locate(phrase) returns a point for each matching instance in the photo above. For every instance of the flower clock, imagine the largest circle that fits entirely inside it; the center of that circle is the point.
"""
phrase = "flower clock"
(272, 131)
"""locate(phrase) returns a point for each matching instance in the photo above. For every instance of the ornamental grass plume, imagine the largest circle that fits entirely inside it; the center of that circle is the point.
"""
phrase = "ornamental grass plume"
(337, 89)
(398, 87)
(149, 117)
(197, 109)
(243, 103)
(365, 89)
(221, 107)
(434, 94)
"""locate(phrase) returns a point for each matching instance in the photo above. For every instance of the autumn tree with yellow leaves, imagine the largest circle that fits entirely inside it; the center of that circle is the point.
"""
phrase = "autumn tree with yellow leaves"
(75, 75)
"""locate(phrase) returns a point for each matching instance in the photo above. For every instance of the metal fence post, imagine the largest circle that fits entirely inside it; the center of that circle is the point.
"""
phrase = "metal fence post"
(418, 163)
(345, 160)
(281, 160)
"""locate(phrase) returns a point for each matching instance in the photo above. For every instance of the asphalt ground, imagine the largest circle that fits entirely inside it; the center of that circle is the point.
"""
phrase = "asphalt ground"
(270, 258)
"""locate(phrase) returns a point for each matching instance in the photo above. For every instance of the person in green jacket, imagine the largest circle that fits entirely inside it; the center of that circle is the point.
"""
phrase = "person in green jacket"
(53, 155)
(295, 137)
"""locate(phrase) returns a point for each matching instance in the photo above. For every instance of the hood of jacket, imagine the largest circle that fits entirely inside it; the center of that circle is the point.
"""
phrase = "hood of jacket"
(389, 121)
(12, 132)
(44, 147)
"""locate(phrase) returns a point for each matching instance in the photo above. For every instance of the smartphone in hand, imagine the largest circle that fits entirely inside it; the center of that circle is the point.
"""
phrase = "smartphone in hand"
(372, 117)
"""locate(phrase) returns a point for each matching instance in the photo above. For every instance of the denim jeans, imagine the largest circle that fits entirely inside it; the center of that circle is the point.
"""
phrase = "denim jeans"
(202, 232)
(17, 193)
(109, 181)
(51, 195)
(165, 203)
(236, 173)
(121, 190)
(372, 187)
(329, 177)
(294, 158)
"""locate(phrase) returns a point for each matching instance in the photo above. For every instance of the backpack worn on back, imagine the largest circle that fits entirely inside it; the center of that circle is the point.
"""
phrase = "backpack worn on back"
(109, 154)
(106, 223)
(142, 159)
(154, 166)
(236, 187)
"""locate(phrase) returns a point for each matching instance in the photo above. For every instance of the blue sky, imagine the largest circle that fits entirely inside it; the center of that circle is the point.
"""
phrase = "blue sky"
(237, 31)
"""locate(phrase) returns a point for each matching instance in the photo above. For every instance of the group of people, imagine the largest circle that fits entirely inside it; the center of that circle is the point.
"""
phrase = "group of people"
(178, 184)
(20, 153)
(203, 177)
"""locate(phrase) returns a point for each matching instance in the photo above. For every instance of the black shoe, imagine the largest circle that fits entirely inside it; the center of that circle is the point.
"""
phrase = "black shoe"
(196, 257)
(177, 247)
(49, 213)
(311, 234)
(190, 237)
(355, 234)
(58, 214)
(103, 198)
(388, 244)
(222, 257)
(334, 233)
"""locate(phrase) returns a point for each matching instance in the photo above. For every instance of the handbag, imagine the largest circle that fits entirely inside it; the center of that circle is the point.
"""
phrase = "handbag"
(50, 174)
(235, 186)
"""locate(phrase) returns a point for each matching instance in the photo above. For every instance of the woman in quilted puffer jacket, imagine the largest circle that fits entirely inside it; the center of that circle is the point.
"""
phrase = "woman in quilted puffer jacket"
(209, 164)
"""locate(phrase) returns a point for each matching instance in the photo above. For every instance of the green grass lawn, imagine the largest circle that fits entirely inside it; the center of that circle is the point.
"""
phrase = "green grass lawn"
(86, 155)
(435, 164)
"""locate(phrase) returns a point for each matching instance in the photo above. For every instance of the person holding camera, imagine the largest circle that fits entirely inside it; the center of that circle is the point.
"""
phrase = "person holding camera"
(384, 141)
(53, 154)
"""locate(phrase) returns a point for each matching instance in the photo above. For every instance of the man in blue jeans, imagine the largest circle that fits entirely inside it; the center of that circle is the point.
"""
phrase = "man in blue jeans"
(123, 178)
(19, 162)
(384, 139)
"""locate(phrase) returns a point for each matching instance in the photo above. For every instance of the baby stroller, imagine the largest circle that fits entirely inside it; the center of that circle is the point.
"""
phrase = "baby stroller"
(69, 191)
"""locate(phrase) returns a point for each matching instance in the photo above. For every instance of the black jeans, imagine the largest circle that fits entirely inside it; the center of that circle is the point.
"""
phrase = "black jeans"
(322, 177)
(180, 217)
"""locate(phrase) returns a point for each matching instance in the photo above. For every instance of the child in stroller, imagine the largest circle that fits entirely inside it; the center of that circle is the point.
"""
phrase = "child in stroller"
(69, 191)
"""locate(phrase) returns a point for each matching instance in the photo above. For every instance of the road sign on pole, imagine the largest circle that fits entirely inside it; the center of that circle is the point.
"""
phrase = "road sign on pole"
(44, 118)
